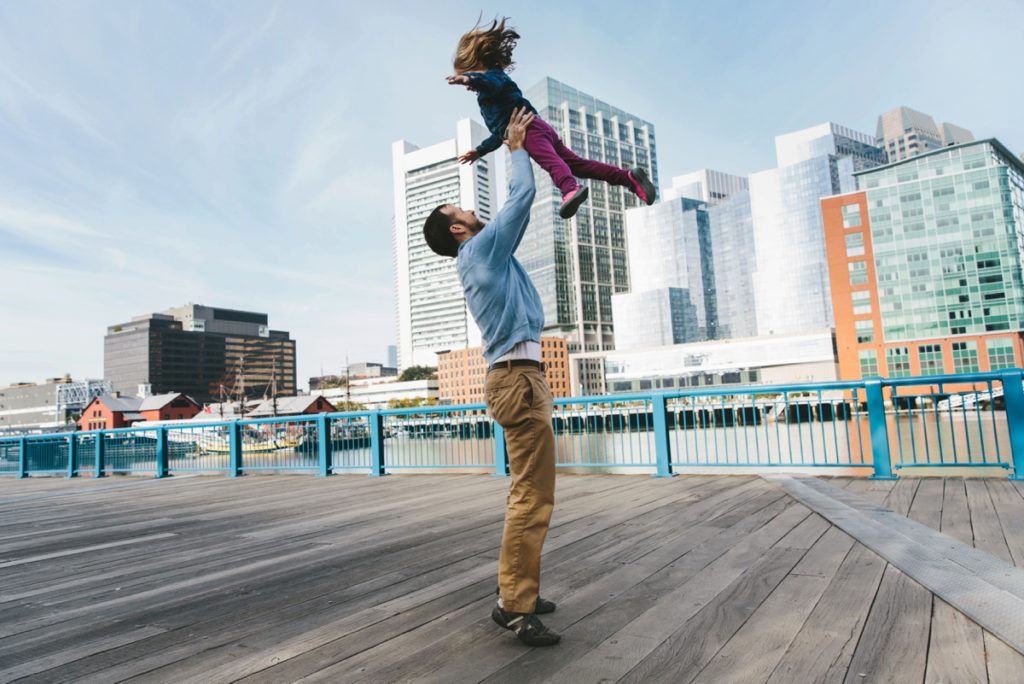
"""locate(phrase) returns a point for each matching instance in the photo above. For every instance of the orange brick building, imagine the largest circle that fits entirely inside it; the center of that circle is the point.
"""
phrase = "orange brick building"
(461, 372)
(862, 347)
(110, 411)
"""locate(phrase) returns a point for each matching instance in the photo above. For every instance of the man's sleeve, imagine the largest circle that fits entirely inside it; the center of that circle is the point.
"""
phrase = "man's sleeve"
(503, 234)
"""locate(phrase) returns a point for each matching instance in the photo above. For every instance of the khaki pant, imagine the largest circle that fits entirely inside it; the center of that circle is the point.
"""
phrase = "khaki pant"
(520, 402)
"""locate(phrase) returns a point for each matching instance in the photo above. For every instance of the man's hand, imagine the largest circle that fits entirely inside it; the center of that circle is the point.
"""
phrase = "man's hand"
(469, 157)
(517, 124)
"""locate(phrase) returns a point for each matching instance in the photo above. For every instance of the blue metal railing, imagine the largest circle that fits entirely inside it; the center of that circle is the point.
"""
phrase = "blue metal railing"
(881, 425)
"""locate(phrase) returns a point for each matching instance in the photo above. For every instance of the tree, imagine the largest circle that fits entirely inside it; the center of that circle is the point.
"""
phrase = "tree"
(418, 373)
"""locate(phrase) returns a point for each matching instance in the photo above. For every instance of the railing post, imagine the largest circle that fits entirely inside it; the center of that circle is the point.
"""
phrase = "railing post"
(1013, 395)
(376, 425)
(323, 444)
(100, 465)
(73, 454)
(235, 463)
(161, 452)
(500, 451)
(662, 445)
(22, 458)
(878, 429)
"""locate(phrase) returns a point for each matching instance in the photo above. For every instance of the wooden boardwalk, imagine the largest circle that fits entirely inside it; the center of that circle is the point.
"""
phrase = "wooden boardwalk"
(343, 579)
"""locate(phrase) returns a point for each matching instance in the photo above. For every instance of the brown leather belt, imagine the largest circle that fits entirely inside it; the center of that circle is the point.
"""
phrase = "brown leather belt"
(512, 363)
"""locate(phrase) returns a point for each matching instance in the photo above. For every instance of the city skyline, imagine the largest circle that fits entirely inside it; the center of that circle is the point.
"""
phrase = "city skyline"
(159, 154)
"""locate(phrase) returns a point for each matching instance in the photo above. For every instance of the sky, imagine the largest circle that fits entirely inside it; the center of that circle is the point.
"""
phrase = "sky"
(238, 153)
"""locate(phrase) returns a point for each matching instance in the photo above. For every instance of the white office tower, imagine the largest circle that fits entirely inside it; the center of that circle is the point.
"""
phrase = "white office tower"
(707, 185)
(672, 298)
(791, 287)
(432, 313)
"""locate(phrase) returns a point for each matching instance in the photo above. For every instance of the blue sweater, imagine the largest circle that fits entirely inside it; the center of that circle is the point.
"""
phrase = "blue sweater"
(501, 297)
(497, 95)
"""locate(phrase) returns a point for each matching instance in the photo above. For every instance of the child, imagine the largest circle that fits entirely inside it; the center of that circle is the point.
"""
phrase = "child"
(482, 57)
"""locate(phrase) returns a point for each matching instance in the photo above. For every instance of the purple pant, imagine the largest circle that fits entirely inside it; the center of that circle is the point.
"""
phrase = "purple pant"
(547, 149)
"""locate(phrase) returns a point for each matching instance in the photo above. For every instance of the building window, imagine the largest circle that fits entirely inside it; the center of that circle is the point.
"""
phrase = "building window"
(858, 272)
(851, 215)
(861, 302)
(868, 363)
(965, 357)
(897, 360)
(1000, 353)
(930, 356)
(855, 244)
(865, 331)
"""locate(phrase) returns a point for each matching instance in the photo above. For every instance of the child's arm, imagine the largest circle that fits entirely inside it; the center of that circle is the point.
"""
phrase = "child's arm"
(480, 81)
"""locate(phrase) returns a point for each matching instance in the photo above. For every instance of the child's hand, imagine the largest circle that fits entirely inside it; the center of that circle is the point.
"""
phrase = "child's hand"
(458, 79)
(469, 157)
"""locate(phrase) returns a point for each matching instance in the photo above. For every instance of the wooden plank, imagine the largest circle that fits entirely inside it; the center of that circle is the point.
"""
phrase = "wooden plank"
(956, 651)
(824, 647)
(1007, 502)
(1003, 664)
(433, 653)
(680, 656)
(984, 588)
(264, 650)
(893, 645)
(755, 651)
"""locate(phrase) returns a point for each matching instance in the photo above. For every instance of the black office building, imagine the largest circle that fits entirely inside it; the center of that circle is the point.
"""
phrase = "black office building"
(204, 352)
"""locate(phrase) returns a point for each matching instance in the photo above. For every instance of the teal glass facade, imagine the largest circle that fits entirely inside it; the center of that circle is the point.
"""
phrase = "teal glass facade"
(947, 230)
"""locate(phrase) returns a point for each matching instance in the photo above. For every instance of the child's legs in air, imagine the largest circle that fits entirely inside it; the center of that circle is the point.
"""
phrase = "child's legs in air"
(541, 144)
(588, 168)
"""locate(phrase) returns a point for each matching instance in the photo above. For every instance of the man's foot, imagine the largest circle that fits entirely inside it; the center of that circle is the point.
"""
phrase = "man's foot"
(642, 186)
(527, 626)
(542, 607)
(571, 202)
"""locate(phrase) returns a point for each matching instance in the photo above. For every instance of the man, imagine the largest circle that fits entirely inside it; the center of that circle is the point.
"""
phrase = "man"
(508, 311)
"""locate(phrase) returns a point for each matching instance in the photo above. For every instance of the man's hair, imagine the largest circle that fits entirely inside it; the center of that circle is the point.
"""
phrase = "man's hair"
(437, 233)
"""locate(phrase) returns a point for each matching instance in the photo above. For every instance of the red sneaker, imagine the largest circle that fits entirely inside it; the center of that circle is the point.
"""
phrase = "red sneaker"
(642, 186)
(571, 202)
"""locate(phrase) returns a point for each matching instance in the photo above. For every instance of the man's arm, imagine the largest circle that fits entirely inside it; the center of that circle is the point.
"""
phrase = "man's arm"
(503, 234)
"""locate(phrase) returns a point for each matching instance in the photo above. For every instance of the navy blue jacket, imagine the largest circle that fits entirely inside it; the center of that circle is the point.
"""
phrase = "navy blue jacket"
(497, 95)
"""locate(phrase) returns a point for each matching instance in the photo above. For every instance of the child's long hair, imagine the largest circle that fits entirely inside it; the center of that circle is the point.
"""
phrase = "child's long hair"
(488, 46)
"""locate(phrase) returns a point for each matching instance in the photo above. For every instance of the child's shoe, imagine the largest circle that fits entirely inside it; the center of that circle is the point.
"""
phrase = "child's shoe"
(642, 186)
(571, 202)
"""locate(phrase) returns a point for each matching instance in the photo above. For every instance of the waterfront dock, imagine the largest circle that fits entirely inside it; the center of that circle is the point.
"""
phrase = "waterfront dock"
(278, 578)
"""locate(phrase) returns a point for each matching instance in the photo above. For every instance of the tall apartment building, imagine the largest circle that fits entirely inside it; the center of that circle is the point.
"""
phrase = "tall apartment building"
(461, 372)
(927, 264)
(200, 351)
(431, 308)
(672, 297)
(790, 278)
(707, 185)
(577, 265)
(904, 132)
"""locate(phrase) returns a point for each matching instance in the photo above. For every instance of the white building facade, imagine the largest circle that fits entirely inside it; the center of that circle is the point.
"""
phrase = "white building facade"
(431, 308)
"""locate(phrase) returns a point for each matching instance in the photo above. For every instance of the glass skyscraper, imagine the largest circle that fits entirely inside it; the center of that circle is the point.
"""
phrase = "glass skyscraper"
(672, 298)
(927, 264)
(790, 280)
(731, 238)
(577, 265)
